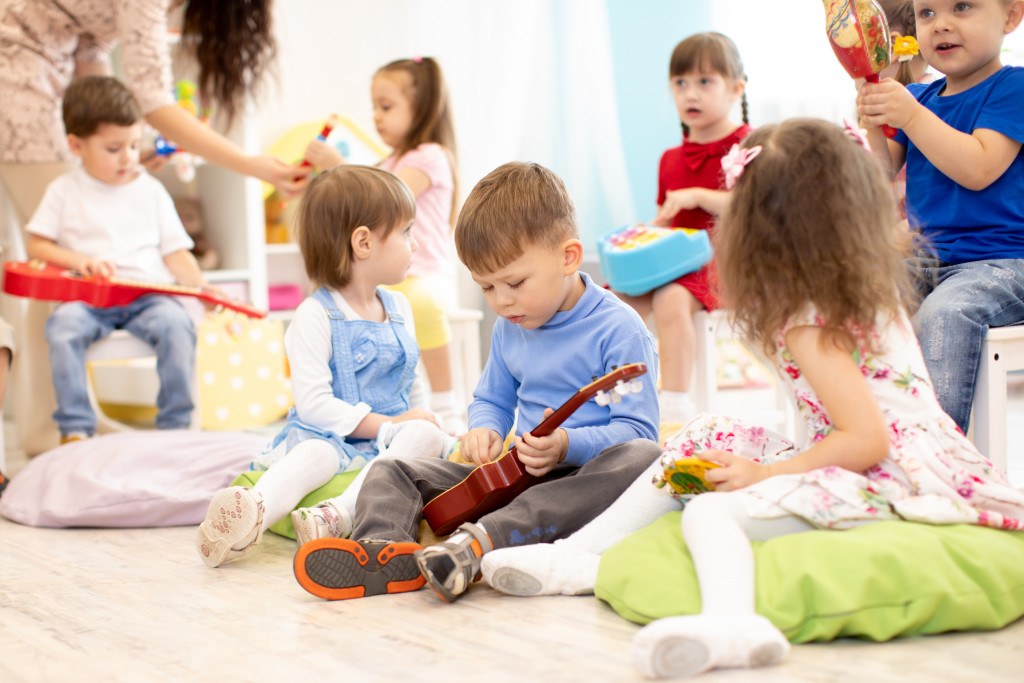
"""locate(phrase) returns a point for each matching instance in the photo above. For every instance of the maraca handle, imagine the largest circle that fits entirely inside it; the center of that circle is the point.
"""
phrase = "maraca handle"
(887, 130)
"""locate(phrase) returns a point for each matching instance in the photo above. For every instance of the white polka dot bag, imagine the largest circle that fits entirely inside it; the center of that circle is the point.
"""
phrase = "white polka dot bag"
(243, 374)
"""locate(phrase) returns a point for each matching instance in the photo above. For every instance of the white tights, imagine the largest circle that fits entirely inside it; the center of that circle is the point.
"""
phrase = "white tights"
(718, 529)
(307, 467)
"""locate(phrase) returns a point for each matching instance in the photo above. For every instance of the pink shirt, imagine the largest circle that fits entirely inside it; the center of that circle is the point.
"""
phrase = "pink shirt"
(40, 42)
(432, 227)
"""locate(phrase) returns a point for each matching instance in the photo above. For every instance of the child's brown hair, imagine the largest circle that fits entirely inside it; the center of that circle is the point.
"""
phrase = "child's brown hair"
(515, 206)
(709, 52)
(900, 16)
(810, 221)
(92, 101)
(432, 112)
(337, 202)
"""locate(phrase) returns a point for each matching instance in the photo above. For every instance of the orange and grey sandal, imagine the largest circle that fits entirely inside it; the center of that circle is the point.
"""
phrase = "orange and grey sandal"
(340, 568)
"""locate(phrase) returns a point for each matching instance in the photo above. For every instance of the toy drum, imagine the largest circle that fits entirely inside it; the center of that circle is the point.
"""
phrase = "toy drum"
(639, 258)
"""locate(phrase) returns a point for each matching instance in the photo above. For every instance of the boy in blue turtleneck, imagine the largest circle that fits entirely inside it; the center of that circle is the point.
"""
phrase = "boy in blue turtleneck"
(557, 331)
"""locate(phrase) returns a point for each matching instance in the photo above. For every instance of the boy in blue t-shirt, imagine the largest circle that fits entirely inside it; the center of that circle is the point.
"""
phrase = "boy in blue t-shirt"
(961, 139)
(557, 331)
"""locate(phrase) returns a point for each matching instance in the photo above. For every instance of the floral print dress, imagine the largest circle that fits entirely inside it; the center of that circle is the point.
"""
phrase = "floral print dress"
(932, 474)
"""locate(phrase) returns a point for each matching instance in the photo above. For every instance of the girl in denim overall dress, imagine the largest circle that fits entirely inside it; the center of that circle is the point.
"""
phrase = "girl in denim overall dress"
(353, 363)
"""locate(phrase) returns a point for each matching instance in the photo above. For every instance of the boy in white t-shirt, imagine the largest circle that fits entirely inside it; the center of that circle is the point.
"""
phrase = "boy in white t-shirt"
(108, 218)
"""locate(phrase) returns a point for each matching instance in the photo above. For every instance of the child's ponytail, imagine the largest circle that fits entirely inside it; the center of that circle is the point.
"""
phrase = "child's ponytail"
(899, 15)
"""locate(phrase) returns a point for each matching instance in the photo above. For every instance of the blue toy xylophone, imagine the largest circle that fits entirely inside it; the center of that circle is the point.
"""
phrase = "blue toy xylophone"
(639, 258)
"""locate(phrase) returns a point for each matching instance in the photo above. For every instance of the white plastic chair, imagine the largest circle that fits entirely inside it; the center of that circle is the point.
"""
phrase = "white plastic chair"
(465, 352)
(1001, 353)
(704, 387)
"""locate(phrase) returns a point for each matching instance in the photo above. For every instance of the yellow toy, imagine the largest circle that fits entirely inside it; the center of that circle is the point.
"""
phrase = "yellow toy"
(686, 477)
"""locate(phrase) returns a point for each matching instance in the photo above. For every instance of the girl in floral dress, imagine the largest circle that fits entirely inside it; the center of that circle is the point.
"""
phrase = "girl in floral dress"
(810, 270)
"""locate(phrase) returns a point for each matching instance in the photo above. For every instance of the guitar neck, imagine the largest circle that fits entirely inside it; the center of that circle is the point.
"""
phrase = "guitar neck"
(555, 419)
(186, 290)
(159, 287)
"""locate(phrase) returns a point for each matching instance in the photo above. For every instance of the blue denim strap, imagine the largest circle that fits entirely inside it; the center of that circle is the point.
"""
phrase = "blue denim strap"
(343, 376)
(409, 346)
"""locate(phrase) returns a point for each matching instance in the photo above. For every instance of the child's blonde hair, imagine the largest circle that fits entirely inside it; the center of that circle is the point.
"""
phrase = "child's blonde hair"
(432, 113)
(515, 206)
(337, 202)
(810, 221)
(709, 52)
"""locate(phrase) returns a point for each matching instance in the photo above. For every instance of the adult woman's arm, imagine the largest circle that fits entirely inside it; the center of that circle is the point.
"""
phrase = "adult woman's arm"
(181, 127)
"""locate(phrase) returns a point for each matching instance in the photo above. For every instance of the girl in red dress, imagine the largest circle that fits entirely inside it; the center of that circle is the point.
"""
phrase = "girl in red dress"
(707, 79)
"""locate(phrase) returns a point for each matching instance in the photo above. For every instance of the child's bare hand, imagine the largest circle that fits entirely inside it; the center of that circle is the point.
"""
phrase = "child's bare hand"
(417, 414)
(213, 290)
(886, 102)
(322, 155)
(95, 267)
(540, 454)
(736, 471)
(480, 446)
(676, 201)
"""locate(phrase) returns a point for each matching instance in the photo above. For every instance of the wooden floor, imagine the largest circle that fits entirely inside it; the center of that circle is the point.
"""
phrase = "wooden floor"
(138, 605)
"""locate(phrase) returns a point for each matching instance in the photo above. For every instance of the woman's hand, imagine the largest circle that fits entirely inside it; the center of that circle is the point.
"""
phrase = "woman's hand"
(736, 471)
(322, 155)
(480, 446)
(289, 179)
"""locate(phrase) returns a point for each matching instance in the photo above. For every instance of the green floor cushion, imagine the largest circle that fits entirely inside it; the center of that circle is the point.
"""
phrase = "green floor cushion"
(878, 581)
(331, 489)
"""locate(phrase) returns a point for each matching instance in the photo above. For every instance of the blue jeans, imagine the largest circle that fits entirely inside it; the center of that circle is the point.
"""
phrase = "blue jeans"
(159, 320)
(960, 302)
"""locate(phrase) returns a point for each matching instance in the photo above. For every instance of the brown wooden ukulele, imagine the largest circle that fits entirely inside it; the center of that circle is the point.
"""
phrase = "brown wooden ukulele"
(495, 484)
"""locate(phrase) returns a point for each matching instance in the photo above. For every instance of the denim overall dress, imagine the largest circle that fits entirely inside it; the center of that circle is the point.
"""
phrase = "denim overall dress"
(371, 362)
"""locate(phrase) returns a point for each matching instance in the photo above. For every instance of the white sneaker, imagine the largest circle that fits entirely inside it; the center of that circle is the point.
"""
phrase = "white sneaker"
(323, 520)
(235, 514)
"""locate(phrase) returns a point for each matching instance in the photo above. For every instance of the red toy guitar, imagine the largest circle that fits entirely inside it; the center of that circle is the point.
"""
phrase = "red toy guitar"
(495, 484)
(39, 280)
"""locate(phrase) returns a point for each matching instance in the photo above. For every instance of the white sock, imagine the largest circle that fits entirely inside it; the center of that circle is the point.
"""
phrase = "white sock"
(686, 646)
(727, 633)
(541, 569)
(307, 467)
(569, 566)
(414, 439)
(676, 406)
